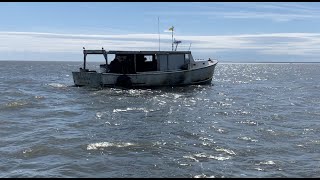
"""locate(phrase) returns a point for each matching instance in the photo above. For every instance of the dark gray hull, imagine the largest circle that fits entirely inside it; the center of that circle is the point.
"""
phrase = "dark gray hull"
(201, 75)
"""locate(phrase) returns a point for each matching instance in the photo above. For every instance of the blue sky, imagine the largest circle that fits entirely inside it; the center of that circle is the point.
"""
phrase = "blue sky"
(229, 32)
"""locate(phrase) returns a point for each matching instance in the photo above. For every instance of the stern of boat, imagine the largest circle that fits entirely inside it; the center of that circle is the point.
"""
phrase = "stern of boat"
(86, 78)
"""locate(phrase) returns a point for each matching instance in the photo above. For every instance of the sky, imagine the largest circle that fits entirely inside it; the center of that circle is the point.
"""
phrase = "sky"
(226, 31)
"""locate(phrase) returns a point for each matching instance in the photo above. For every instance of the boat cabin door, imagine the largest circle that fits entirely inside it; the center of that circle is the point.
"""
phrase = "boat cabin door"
(162, 62)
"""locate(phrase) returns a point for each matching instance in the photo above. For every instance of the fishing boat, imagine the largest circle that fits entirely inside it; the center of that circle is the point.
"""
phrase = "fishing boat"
(130, 69)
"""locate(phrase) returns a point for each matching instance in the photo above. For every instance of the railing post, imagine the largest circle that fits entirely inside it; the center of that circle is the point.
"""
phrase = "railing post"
(84, 61)
(135, 63)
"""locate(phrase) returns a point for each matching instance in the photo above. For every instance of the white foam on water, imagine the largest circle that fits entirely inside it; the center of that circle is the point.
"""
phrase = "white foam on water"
(248, 139)
(39, 97)
(203, 176)
(130, 109)
(16, 103)
(95, 146)
(226, 150)
(207, 156)
(191, 157)
(58, 85)
(268, 162)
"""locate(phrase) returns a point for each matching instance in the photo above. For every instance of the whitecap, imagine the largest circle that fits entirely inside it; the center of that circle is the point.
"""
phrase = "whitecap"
(259, 169)
(99, 115)
(176, 96)
(248, 139)
(39, 97)
(58, 85)
(203, 176)
(203, 155)
(16, 104)
(95, 146)
(130, 109)
(226, 150)
(191, 157)
(219, 158)
(268, 162)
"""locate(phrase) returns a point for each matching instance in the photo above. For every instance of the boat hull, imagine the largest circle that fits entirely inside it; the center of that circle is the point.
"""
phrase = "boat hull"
(202, 75)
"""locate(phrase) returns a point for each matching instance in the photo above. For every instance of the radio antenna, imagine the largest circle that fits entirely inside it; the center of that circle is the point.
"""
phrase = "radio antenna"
(159, 33)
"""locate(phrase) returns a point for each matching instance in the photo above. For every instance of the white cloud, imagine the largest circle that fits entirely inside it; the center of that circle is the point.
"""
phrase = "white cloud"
(278, 12)
(303, 44)
(167, 31)
(280, 17)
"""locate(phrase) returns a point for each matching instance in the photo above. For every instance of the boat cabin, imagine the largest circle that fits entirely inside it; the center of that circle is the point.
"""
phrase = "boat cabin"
(132, 62)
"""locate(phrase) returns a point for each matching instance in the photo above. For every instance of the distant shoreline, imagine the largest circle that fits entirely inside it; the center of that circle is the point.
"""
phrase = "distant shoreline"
(268, 62)
(220, 62)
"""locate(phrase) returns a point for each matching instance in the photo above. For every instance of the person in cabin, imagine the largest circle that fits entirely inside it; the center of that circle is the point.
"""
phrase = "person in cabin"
(115, 65)
(124, 65)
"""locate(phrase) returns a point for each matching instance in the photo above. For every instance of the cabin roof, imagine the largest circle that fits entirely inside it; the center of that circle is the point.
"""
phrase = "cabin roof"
(149, 52)
(134, 52)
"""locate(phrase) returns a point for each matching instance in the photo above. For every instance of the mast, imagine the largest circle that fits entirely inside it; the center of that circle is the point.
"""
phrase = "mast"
(172, 38)
(189, 46)
(171, 29)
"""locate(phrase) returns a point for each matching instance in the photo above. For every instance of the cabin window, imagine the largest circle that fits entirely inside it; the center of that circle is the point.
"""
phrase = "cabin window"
(148, 58)
(93, 61)
(187, 57)
(122, 63)
(110, 57)
(146, 62)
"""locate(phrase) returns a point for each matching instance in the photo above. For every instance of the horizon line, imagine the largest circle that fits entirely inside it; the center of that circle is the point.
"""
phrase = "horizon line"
(220, 62)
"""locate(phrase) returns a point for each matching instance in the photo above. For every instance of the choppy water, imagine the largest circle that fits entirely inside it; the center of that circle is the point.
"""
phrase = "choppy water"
(255, 120)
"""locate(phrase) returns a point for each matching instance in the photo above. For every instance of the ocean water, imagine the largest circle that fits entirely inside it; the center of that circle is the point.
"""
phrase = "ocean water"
(254, 120)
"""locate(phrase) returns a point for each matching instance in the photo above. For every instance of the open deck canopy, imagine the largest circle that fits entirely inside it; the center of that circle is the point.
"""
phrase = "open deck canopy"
(136, 60)
(133, 52)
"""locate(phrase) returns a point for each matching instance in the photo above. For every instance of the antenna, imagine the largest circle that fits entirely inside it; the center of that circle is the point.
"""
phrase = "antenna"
(176, 42)
(172, 38)
(190, 46)
(159, 33)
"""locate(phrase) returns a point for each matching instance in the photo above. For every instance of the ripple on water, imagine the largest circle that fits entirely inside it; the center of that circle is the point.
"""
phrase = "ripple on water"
(16, 104)
(255, 121)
